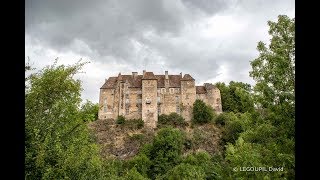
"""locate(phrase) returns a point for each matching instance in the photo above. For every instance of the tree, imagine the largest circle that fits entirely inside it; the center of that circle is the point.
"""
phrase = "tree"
(274, 72)
(89, 111)
(57, 141)
(236, 97)
(268, 136)
(202, 113)
(166, 150)
(185, 171)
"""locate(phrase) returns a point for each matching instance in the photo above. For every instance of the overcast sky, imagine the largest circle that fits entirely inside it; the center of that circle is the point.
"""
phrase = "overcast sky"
(212, 40)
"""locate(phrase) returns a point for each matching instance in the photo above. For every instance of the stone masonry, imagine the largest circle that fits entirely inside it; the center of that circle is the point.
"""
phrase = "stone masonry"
(146, 96)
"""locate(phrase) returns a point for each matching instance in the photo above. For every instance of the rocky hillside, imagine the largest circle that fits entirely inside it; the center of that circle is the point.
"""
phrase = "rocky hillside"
(123, 141)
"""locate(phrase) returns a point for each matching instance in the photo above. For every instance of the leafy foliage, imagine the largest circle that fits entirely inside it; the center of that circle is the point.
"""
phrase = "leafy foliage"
(166, 150)
(121, 120)
(134, 124)
(173, 119)
(185, 171)
(236, 97)
(89, 111)
(202, 113)
(57, 142)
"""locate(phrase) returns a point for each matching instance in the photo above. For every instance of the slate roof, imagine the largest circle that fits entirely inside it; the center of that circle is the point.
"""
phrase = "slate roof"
(174, 80)
(187, 77)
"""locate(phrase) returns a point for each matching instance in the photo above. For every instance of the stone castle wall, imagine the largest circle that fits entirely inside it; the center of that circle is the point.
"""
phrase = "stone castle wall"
(149, 101)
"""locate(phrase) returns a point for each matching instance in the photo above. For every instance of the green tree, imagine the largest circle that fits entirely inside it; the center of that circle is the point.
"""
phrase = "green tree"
(89, 111)
(274, 73)
(185, 171)
(236, 97)
(268, 136)
(57, 141)
(166, 150)
(202, 113)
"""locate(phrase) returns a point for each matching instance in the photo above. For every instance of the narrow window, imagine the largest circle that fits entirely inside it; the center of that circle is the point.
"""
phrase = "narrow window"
(105, 109)
(178, 109)
(127, 110)
(159, 110)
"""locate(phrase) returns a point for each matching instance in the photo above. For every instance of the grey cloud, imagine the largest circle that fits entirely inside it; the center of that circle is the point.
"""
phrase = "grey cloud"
(208, 6)
(106, 26)
(116, 31)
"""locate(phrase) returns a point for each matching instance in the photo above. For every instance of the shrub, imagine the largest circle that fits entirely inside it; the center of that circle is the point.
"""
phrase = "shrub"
(232, 126)
(121, 120)
(167, 149)
(202, 113)
(185, 171)
(221, 119)
(134, 123)
(173, 119)
(133, 174)
(203, 160)
(142, 164)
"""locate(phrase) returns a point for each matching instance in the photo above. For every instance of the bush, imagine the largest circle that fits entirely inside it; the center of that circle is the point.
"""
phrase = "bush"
(232, 131)
(142, 164)
(221, 119)
(203, 160)
(173, 119)
(202, 113)
(121, 120)
(134, 124)
(185, 171)
(133, 174)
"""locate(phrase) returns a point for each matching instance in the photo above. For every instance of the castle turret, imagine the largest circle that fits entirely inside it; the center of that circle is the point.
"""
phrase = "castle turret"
(188, 96)
(149, 100)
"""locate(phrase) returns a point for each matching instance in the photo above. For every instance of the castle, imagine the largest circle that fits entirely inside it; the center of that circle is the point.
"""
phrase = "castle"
(146, 96)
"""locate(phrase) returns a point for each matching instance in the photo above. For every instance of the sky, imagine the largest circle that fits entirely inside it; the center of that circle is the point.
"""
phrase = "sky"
(212, 40)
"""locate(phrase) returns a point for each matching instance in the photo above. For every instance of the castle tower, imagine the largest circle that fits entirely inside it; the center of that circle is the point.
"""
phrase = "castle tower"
(149, 100)
(188, 96)
(213, 97)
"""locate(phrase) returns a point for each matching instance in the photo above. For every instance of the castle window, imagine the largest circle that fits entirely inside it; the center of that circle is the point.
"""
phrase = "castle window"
(159, 110)
(148, 101)
(105, 101)
(171, 90)
(178, 109)
(105, 109)
(163, 90)
(158, 99)
(127, 101)
(177, 99)
(177, 90)
(127, 110)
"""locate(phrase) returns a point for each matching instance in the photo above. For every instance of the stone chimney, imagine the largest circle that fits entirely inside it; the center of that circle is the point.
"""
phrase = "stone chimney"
(167, 76)
(144, 71)
(134, 74)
